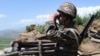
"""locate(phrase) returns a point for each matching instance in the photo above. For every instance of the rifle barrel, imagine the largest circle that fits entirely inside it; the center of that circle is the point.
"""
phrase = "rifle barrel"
(84, 32)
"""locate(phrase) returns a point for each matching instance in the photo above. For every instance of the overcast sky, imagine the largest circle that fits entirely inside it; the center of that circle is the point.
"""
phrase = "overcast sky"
(19, 13)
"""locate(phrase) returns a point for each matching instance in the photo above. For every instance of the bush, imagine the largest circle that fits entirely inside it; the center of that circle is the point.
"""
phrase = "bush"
(40, 28)
(98, 16)
(78, 20)
(30, 28)
(81, 20)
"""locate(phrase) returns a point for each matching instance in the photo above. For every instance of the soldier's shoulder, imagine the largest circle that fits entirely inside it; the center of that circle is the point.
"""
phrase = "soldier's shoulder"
(72, 31)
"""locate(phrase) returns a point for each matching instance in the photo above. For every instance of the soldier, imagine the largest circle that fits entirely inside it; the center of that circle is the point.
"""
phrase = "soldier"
(67, 39)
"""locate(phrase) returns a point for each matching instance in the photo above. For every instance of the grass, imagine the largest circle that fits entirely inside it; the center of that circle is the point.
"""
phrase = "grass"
(5, 42)
(85, 40)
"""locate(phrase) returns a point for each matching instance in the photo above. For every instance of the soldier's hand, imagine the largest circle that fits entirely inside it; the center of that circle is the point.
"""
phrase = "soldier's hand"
(53, 16)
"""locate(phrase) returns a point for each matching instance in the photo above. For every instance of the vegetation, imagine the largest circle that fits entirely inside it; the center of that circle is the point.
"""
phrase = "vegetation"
(81, 20)
(98, 16)
(5, 42)
(30, 27)
(40, 28)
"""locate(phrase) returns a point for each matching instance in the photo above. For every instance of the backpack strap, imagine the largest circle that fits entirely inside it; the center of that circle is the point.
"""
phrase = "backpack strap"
(76, 34)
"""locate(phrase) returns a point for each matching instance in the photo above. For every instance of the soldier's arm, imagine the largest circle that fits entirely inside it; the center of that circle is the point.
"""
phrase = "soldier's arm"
(50, 25)
(57, 35)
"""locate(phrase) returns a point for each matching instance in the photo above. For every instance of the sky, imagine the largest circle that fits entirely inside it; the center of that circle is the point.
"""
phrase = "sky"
(16, 14)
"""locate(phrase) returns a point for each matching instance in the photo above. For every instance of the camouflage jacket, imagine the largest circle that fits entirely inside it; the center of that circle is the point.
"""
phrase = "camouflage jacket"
(67, 39)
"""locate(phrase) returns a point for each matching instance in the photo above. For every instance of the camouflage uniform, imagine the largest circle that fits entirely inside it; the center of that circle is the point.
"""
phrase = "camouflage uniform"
(67, 41)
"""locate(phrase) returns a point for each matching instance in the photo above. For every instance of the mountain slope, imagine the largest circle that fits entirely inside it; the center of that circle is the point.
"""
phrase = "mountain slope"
(10, 33)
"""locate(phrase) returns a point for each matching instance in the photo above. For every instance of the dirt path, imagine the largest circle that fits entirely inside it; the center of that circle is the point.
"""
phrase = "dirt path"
(90, 47)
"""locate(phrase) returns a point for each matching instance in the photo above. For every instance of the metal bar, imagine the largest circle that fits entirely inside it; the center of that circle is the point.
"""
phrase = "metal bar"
(11, 54)
(30, 49)
(48, 51)
(40, 48)
(48, 44)
(28, 52)
(48, 48)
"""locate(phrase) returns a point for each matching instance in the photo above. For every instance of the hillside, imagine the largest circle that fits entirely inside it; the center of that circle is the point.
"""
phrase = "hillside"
(10, 33)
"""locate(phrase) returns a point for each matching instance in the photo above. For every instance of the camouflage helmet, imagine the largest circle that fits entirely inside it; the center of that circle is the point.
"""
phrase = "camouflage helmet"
(68, 9)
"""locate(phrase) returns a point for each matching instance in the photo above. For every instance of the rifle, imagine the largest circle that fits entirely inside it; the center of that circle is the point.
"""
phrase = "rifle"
(84, 32)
